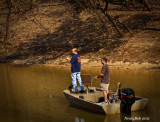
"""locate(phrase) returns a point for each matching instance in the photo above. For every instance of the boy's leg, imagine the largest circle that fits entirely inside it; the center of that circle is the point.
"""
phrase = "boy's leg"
(80, 80)
(74, 83)
(78, 76)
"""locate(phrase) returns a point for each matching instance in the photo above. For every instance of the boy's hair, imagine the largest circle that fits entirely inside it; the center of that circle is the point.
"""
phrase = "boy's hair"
(104, 59)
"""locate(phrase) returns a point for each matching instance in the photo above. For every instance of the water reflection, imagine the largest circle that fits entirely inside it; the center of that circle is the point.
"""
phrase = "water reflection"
(90, 116)
(34, 93)
(76, 119)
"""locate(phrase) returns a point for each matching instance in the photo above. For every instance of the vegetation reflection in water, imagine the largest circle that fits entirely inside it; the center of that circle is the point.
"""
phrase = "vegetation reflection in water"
(34, 93)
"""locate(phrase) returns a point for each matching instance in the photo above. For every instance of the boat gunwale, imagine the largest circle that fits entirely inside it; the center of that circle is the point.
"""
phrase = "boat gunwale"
(141, 98)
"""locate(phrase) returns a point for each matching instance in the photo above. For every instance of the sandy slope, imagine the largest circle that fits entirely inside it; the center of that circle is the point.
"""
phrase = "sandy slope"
(46, 34)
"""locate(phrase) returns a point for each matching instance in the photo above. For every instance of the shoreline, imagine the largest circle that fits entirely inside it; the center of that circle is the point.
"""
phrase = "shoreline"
(90, 63)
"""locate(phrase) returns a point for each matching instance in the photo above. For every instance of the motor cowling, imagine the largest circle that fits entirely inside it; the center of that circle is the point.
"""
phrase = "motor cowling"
(127, 97)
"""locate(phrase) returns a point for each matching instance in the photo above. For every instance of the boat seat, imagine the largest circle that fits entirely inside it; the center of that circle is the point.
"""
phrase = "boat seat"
(86, 80)
(114, 95)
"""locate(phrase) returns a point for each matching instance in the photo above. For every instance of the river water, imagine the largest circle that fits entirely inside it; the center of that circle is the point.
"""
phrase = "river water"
(34, 94)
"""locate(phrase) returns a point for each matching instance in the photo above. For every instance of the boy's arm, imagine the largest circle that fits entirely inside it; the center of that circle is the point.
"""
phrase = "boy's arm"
(68, 59)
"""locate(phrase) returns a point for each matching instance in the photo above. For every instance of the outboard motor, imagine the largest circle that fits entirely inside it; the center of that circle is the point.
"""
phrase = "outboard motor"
(127, 97)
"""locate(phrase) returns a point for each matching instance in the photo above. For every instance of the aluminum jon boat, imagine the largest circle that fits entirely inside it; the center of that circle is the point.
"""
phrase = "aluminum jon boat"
(92, 100)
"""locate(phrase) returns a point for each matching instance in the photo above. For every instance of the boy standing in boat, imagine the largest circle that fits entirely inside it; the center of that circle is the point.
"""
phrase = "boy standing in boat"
(75, 69)
(105, 78)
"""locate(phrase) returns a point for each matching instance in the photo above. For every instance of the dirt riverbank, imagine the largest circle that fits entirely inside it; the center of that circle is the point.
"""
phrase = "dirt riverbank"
(43, 35)
(96, 63)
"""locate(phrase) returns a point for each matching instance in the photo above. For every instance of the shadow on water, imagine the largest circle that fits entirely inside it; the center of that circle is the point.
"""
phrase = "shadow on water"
(84, 115)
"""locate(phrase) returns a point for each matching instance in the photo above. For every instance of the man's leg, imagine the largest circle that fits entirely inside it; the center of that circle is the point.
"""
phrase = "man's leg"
(74, 83)
(105, 95)
(104, 87)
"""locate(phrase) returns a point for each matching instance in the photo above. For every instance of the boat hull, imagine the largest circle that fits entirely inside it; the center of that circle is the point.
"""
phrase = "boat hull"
(89, 102)
(82, 103)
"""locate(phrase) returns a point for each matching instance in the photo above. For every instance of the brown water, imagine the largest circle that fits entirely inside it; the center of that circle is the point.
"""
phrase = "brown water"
(34, 94)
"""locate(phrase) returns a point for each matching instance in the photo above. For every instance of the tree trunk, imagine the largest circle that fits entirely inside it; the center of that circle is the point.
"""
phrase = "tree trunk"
(106, 6)
(147, 5)
(112, 21)
(110, 18)
(7, 22)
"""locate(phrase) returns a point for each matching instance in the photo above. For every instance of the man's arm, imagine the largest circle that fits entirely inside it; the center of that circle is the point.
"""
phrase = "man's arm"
(98, 76)
(101, 74)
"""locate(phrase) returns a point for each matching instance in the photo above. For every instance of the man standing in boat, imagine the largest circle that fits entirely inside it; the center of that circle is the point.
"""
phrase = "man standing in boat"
(105, 78)
(75, 69)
